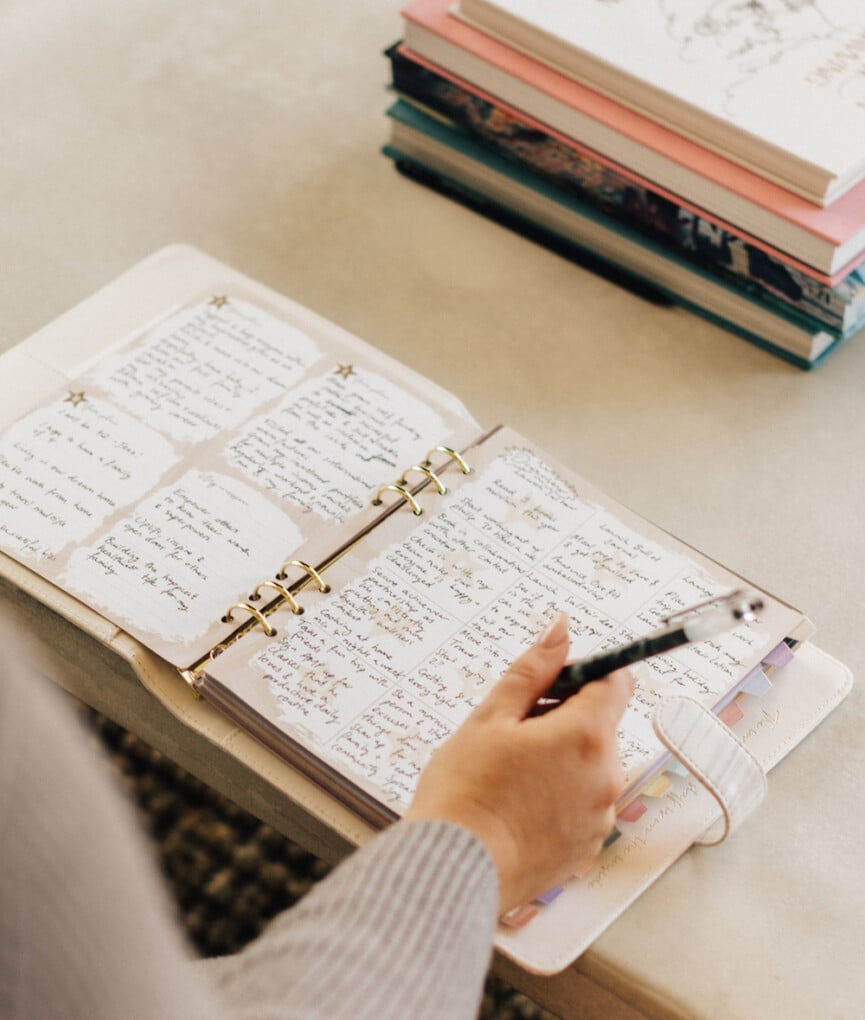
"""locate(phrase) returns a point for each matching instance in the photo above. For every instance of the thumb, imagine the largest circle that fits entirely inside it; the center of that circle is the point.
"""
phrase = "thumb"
(532, 673)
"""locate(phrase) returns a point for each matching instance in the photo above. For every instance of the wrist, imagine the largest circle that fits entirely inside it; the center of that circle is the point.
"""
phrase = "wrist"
(492, 833)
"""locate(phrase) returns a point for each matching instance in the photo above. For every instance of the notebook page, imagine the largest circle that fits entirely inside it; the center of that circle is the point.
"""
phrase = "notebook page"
(185, 467)
(424, 619)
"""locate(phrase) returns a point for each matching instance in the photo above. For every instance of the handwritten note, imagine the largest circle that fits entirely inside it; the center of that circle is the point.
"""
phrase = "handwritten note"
(206, 368)
(459, 675)
(166, 479)
(67, 467)
(175, 564)
(391, 742)
(328, 445)
(436, 620)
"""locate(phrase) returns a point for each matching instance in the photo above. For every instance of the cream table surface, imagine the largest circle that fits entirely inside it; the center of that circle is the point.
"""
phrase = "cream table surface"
(253, 130)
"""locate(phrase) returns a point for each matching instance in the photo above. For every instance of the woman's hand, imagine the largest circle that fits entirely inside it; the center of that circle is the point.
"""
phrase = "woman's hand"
(539, 792)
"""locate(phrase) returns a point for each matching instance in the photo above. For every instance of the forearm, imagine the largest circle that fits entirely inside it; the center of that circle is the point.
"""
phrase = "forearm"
(402, 928)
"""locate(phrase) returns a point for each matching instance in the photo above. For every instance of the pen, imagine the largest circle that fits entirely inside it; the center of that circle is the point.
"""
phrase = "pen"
(694, 624)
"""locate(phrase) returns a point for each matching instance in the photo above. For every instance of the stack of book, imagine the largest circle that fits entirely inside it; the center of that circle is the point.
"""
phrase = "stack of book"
(707, 154)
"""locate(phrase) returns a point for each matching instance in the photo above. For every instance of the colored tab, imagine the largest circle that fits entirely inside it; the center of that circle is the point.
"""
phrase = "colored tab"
(613, 836)
(657, 787)
(550, 895)
(519, 917)
(757, 683)
(633, 812)
(731, 714)
(676, 768)
(779, 656)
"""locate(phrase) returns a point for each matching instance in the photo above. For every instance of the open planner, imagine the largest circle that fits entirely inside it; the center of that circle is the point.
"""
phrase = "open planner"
(329, 549)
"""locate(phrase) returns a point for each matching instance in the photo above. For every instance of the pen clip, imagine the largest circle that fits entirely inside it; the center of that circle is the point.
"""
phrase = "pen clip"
(744, 605)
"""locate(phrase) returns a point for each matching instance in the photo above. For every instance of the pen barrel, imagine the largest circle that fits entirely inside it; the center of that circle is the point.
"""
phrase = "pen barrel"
(575, 676)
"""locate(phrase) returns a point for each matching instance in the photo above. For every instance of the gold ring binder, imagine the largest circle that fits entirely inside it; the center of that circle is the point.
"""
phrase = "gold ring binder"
(433, 477)
(228, 618)
(416, 508)
(284, 592)
(313, 573)
(466, 470)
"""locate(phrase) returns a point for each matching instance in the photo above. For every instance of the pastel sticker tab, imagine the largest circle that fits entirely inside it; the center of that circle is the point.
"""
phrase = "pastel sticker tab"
(633, 812)
(779, 656)
(519, 917)
(658, 786)
(550, 894)
(757, 683)
(731, 714)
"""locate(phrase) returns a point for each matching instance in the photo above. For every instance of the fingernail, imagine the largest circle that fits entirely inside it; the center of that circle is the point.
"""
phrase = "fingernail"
(556, 632)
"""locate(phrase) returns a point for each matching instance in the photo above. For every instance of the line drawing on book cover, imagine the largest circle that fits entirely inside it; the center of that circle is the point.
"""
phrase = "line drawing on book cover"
(741, 39)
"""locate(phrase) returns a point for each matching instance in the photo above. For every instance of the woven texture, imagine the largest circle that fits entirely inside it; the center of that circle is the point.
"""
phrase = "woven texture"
(229, 872)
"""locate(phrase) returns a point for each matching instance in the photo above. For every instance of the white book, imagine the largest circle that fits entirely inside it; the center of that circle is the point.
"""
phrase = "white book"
(775, 86)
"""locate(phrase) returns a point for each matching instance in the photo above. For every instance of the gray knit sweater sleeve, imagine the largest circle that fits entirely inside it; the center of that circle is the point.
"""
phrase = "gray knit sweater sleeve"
(402, 928)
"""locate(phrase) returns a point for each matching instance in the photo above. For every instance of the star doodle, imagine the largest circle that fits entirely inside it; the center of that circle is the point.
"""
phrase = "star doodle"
(218, 301)
(345, 370)
(75, 398)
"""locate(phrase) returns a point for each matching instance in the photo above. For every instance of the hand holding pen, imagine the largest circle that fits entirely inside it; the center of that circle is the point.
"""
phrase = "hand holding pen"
(698, 623)
(540, 794)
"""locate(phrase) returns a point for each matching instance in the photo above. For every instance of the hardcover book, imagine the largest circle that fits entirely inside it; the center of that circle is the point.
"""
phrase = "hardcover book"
(830, 240)
(710, 243)
(428, 149)
(716, 73)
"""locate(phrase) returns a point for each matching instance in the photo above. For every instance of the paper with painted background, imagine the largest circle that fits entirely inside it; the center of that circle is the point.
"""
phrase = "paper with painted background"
(424, 619)
(186, 467)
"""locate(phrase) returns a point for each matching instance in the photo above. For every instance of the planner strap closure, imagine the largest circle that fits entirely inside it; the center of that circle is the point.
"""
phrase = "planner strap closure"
(716, 757)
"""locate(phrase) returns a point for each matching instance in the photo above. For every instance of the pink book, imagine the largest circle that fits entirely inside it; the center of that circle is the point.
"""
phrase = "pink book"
(827, 242)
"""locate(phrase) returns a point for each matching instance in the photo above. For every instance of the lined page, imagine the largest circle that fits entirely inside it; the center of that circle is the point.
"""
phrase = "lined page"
(185, 467)
(379, 672)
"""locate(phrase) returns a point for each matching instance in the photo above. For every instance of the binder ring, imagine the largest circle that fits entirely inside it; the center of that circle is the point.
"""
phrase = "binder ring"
(313, 573)
(416, 508)
(284, 592)
(466, 470)
(228, 618)
(433, 477)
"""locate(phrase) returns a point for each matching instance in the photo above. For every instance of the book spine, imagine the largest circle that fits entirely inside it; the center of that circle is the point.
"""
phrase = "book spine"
(526, 228)
(719, 251)
(570, 250)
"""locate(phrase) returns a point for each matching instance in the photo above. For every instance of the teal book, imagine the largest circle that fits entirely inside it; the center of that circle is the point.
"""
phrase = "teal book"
(700, 238)
(438, 154)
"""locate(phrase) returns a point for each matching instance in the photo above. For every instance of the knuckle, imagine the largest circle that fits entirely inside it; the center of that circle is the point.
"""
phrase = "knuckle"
(519, 672)
(591, 744)
(613, 788)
